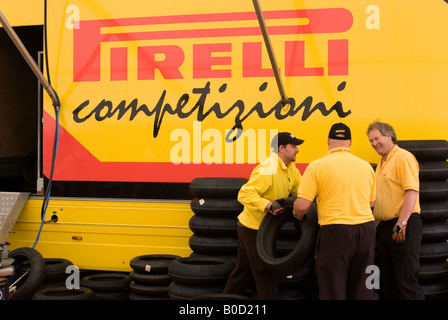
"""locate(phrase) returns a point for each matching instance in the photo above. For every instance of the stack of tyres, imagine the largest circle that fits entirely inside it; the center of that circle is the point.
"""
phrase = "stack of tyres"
(108, 285)
(150, 279)
(432, 156)
(194, 277)
(214, 223)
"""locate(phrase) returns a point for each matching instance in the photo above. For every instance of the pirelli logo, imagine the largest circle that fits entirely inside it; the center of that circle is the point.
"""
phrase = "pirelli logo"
(168, 56)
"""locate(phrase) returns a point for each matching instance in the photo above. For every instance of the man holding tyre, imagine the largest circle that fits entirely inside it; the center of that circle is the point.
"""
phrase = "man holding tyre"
(275, 178)
(344, 187)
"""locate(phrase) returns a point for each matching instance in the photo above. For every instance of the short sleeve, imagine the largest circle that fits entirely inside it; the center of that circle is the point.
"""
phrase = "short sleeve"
(409, 173)
(308, 185)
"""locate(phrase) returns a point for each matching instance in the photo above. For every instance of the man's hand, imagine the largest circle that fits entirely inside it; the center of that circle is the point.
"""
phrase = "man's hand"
(399, 233)
(275, 208)
(301, 207)
(298, 216)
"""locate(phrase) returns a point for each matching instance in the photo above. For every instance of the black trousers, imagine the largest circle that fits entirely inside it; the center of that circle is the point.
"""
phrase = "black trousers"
(343, 253)
(249, 266)
(399, 263)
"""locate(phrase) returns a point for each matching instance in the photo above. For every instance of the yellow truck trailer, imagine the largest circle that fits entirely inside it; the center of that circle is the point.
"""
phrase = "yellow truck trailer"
(154, 94)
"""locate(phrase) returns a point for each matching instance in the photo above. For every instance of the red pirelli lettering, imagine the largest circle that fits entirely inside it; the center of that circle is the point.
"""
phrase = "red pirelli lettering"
(92, 33)
(173, 58)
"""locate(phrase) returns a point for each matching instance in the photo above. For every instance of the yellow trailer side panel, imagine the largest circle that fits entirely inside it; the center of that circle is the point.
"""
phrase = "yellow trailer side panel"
(104, 235)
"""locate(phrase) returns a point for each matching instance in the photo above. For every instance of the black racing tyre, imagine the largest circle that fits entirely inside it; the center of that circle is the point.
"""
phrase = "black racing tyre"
(299, 278)
(105, 282)
(55, 269)
(302, 253)
(213, 245)
(149, 290)
(138, 296)
(433, 171)
(433, 252)
(435, 232)
(229, 257)
(221, 296)
(213, 226)
(291, 229)
(433, 191)
(300, 293)
(216, 187)
(216, 207)
(200, 271)
(434, 211)
(284, 246)
(112, 295)
(30, 261)
(435, 271)
(154, 263)
(436, 290)
(150, 279)
(178, 291)
(426, 150)
(62, 293)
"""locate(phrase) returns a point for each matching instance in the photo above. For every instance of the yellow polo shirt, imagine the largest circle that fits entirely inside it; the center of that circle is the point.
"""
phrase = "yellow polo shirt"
(393, 177)
(270, 180)
(344, 186)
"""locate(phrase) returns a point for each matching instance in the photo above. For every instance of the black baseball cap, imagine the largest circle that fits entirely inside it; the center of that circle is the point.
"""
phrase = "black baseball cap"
(340, 131)
(284, 138)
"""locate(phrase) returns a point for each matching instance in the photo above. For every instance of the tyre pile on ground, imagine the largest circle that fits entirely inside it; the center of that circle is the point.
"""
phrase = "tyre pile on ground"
(42, 279)
(150, 279)
(54, 286)
(432, 156)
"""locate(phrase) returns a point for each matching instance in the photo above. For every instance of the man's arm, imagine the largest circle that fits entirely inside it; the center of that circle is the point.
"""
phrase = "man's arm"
(410, 198)
(301, 207)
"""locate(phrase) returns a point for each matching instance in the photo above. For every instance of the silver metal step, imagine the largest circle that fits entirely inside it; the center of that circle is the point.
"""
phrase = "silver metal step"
(11, 204)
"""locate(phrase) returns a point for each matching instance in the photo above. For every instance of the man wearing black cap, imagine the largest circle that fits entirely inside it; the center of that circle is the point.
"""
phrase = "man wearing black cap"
(275, 178)
(344, 187)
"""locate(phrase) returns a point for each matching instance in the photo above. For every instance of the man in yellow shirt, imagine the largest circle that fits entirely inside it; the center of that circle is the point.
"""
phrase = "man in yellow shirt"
(275, 178)
(397, 209)
(344, 188)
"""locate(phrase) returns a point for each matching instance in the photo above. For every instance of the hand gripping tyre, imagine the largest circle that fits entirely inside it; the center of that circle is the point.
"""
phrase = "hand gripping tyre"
(300, 255)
